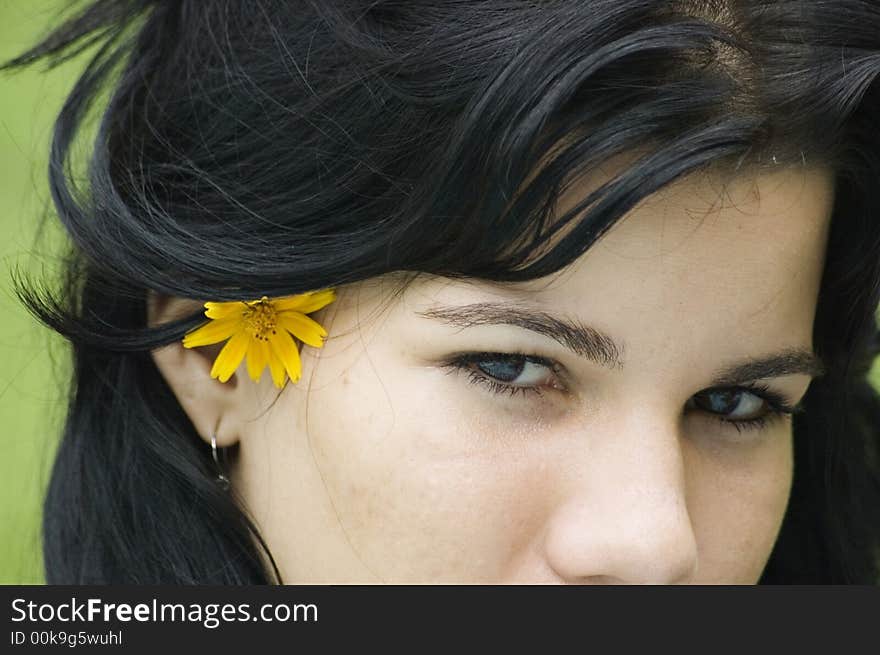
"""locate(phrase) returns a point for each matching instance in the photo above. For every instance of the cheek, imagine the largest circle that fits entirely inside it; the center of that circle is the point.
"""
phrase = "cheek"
(737, 502)
(419, 495)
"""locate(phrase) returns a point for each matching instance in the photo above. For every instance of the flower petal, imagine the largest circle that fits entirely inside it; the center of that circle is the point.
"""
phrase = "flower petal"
(306, 302)
(257, 358)
(277, 370)
(230, 357)
(286, 351)
(303, 328)
(218, 310)
(212, 332)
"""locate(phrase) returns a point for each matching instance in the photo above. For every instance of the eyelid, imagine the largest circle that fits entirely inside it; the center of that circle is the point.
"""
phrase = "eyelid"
(777, 401)
(461, 361)
(471, 357)
(777, 407)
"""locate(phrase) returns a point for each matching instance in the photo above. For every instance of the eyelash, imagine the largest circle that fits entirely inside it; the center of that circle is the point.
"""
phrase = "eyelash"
(777, 406)
(463, 363)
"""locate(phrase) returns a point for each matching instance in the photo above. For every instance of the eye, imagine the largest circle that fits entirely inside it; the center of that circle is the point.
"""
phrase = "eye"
(742, 407)
(733, 404)
(517, 371)
(509, 373)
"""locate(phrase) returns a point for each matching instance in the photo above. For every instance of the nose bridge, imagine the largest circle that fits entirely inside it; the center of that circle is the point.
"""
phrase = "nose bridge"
(624, 517)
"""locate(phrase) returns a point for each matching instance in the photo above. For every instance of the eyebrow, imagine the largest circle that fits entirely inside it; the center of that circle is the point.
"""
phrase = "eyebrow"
(603, 350)
(793, 361)
(580, 339)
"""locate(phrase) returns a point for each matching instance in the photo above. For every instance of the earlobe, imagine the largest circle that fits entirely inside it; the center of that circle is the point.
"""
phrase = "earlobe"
(214, 408)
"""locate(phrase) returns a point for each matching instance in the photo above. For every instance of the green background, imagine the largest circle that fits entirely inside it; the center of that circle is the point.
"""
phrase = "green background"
(33, 362)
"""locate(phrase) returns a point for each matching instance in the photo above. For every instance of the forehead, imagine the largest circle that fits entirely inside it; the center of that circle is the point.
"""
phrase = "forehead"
(760, 215)
(731, 265)
(709, 233)
(731, 251)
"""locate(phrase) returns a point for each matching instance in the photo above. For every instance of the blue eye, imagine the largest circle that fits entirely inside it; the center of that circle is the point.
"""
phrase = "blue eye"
(737, 404)
(505, 370)
(750, 407)
(516, 371)
(508, 373)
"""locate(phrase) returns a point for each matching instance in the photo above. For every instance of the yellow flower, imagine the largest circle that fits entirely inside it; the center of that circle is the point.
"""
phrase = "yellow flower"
(261, 331)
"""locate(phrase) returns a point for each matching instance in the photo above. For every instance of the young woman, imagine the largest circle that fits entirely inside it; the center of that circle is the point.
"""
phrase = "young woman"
(440, 291)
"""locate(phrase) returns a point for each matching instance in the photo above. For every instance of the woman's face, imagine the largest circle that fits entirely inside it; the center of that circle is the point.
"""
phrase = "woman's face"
(613, 423)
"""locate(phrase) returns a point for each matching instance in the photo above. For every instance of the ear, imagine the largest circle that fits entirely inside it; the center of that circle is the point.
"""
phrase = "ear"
(214, 407)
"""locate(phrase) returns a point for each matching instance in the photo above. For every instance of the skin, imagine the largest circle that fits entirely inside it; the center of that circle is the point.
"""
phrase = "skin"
(384, 464)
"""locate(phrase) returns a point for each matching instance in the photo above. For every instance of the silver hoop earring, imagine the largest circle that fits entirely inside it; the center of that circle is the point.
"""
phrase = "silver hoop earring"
(221, 478)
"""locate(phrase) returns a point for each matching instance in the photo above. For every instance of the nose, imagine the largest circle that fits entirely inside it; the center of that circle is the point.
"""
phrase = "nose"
(623, 516)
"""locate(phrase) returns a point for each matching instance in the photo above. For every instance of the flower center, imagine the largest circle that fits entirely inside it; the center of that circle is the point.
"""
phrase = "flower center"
(260, 319)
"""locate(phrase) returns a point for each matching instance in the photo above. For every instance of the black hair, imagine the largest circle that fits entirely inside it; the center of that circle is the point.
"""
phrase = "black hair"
(274, 147)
